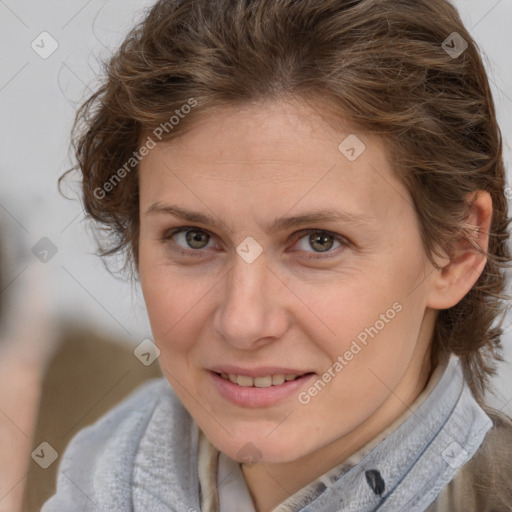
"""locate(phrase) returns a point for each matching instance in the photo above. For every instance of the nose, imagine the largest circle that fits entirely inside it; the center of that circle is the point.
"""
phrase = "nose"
(252, 305)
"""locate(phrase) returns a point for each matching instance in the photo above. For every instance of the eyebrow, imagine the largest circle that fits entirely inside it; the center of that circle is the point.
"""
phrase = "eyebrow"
(278, 224)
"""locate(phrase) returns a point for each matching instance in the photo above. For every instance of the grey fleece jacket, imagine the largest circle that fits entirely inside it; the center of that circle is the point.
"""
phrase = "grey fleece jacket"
(142, 456)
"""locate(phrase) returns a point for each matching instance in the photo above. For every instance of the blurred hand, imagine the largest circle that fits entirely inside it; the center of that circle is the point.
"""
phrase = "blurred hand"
(28, 339)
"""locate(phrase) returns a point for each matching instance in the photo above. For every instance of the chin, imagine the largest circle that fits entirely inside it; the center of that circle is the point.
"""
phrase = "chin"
(254, 449)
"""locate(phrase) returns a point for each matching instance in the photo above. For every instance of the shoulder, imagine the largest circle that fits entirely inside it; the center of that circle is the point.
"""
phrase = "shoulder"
(490, 469)
(98, 461)
(130, 416)
(484, 483)
(492, 463)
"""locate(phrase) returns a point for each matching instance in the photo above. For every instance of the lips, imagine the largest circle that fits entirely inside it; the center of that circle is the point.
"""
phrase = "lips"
(255, 392)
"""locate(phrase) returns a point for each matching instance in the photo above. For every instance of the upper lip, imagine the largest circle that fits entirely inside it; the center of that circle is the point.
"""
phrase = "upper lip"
(260, 371)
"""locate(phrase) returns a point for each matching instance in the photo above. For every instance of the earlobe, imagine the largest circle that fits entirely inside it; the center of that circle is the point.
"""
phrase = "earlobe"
(454, 280)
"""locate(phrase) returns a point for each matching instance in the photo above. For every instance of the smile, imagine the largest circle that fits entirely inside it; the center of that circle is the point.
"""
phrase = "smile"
(258, 391)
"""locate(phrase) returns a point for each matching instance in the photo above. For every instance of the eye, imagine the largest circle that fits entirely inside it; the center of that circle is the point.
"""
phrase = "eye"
(321, 242)
(190, 241)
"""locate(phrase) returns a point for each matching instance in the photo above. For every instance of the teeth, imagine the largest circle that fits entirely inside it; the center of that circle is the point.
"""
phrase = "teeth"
(245, 381)
(263, 382)
(259, 382)
(278, 379)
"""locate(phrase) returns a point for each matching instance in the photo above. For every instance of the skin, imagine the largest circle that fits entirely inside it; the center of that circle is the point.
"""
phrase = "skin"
(246, 167)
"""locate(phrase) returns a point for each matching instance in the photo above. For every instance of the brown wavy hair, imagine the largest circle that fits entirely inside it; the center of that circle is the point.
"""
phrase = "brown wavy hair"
(380, 64)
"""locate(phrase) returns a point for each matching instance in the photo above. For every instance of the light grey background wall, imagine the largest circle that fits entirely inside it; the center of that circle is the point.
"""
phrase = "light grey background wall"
(49, 53)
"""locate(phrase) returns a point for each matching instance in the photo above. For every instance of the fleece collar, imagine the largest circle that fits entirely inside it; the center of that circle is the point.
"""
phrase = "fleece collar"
(149, 454)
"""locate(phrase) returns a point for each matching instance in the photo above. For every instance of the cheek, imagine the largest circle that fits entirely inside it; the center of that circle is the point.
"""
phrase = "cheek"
(372, 325)
(376, 354)
(349, 307)
(166, 303)
(164, 297)
(175, 305)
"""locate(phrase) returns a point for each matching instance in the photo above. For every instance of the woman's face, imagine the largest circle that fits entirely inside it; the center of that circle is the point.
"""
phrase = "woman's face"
(299, 254)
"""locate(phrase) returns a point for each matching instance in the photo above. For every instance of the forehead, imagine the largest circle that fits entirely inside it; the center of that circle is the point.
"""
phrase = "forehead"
(273, 156)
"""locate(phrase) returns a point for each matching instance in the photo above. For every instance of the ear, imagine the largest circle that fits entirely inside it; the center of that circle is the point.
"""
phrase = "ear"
(460, 271)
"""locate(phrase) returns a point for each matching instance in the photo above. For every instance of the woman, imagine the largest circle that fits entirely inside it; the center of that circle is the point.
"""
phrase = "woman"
(312, 196)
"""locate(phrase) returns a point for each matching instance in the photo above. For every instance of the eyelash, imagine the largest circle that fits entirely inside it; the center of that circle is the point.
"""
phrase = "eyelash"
(299, 235)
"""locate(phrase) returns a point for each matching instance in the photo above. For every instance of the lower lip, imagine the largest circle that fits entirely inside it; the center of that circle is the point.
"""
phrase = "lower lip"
(253, 397)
